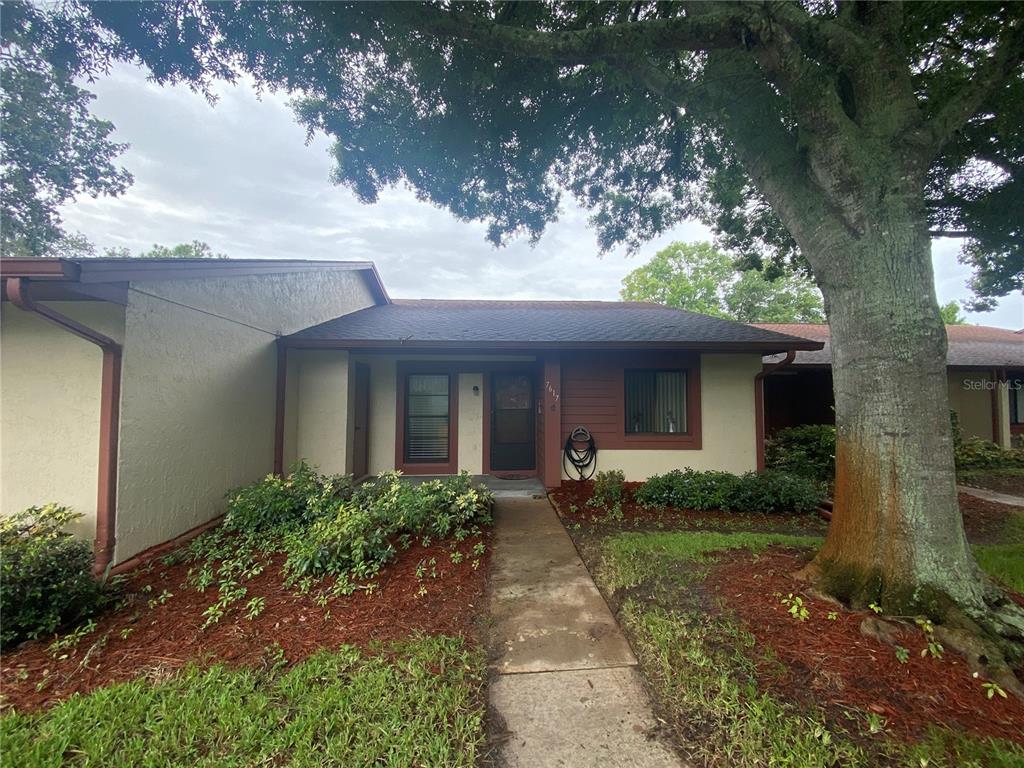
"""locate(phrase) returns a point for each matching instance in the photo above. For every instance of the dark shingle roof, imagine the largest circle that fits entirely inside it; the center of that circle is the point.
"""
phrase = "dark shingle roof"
(425, 322)
(970, 346)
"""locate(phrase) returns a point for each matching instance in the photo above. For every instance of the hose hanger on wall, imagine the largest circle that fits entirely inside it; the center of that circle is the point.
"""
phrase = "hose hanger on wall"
(580, 453)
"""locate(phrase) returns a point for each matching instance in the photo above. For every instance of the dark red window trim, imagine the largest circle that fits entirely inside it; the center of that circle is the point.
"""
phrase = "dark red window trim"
(688, 440)
(451, 467)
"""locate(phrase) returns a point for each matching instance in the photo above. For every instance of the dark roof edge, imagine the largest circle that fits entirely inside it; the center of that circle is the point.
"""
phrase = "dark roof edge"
(126, 270)
(764, 347)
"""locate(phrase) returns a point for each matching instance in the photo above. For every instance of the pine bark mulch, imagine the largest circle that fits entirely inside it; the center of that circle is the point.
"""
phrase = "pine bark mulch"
(140, 639)
(830, 663)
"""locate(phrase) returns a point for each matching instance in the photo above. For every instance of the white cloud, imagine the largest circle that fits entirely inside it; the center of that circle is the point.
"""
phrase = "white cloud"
(241, 177)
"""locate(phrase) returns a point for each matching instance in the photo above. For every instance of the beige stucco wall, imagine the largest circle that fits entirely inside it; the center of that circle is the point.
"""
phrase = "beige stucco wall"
(971, 397)
(383, 415)
(471, 423)
(728, 427)
(198, 393)
(50, 407)
(323, 429)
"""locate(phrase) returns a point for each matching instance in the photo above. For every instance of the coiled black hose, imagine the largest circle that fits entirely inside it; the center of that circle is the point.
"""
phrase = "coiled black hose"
(583, 460)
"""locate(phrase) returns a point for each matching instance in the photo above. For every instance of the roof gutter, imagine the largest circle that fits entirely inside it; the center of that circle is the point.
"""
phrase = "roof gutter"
(19, 293)
(759, 402)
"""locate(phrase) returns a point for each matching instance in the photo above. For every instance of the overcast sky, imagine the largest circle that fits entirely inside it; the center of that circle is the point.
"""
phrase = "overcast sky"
(241, 177)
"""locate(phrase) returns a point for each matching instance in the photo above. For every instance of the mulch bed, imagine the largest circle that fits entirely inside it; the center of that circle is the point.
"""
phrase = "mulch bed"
(985, 520)
(571, 499)
(996, 481)
(166, 637)
(831, 664)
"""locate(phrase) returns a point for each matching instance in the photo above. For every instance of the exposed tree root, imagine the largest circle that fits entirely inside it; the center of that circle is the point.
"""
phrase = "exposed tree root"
(988, 632)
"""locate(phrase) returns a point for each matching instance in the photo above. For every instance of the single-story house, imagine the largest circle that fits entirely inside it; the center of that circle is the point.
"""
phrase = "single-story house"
(139, 391)
(985, 372)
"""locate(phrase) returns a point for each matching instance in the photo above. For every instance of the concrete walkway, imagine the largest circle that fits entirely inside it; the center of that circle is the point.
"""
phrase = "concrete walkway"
(1002, 498)
(565, 689)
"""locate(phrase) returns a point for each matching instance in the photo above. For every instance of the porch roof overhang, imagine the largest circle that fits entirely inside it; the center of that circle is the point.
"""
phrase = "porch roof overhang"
(428, 325)
(969, 347)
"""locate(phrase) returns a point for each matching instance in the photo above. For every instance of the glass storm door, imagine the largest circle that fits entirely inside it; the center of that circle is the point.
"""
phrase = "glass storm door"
(512, 422)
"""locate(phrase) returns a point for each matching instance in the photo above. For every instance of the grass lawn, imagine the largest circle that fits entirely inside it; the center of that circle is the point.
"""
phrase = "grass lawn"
(343, 633)
(1005, 561)
(417, 702)
(708, 670)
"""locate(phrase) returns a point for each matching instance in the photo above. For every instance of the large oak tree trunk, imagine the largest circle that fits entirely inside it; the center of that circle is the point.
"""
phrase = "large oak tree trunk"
(897, 537)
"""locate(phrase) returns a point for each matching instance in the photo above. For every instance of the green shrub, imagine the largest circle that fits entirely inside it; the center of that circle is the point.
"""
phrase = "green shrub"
(45, 574)
(774, 491)
(324, 527)
(808, 450)
(300, 497)
(978, 453)
(352, 543)
(688, 489)
(765, 492)
(357, 540)
(609, 487)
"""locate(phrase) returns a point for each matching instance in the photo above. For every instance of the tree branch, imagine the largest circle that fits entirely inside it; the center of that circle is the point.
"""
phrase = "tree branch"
(961, 106)
(720, 29)
(821, 35)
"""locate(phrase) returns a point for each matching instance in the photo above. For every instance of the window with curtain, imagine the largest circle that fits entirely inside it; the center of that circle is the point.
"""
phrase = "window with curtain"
(426, 419)
(655, 402)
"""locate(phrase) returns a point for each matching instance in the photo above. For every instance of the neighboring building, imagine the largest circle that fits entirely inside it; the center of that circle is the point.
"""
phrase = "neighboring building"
(985, 373)
(140, 391)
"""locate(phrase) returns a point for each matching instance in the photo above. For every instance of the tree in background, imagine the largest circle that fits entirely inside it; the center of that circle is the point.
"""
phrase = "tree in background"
(841, 135)
(78, 246)
(700, 278)
(951, 314)
(52, 149)
(196, 249)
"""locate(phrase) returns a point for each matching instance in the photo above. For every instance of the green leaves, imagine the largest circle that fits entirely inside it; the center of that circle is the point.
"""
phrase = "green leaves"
(758, 492)
(53, 148)
(808, 450)
(46, 579)
(327, 527)
(700, 278)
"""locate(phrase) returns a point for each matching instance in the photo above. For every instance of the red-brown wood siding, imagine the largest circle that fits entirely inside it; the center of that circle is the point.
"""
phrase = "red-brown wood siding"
(593, 396)
(550, 436)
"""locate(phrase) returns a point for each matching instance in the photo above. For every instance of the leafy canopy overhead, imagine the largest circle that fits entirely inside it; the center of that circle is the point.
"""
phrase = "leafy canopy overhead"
(700, 278)
(52, 149)
(647, 113)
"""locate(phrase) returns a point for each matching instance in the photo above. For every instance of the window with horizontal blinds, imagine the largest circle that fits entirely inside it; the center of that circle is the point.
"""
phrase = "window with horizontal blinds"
(426, 418)
(655, 402)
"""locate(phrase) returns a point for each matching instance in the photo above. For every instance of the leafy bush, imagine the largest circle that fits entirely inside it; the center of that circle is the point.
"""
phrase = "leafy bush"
(300, 497)
(324, 526)
(357, 540)
(808, 450)
(688, 489)
(45, 574)
(978, 453)
(765, 492)
(609, 487)
(775, 491)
